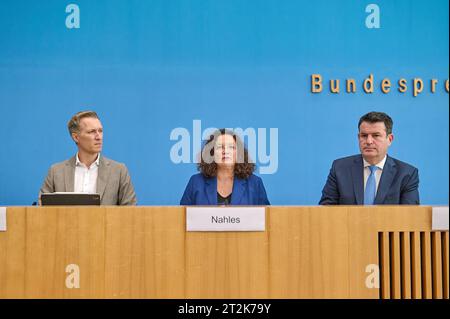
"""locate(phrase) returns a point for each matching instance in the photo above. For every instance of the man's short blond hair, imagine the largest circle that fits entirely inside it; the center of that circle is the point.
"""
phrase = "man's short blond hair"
(74, 123)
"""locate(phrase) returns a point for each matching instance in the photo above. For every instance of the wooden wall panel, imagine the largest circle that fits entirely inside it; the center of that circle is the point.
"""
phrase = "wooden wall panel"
(385, 261)
(145, 252)
(394, 241)
(436, 260)
(12, 254)
(363, 254)
(416, 266)
(445, 264)
(405, 248)
(427, 284)
(308, 255)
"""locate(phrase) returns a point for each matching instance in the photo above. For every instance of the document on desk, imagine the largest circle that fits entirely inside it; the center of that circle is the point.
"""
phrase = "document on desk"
(225, 219)
(2, 218)
(440, 218)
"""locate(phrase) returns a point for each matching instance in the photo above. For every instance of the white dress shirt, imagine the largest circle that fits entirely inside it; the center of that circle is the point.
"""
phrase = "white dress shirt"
(378, 172)
(86, 178)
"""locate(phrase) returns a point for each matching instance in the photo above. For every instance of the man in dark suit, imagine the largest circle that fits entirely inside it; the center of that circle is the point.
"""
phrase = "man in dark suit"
(373, 177)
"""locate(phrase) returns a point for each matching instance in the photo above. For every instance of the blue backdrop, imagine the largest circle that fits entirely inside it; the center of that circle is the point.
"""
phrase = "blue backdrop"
(148, 67)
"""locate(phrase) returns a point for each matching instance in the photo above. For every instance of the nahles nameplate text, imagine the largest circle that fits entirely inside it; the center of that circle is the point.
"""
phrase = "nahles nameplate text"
(225, 218)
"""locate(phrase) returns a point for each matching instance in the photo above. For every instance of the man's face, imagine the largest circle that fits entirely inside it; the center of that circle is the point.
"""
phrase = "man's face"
(373, 141)
(90, 136)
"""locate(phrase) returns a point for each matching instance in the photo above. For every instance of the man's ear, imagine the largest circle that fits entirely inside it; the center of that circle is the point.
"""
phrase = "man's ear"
(390, 138)
(75, 137)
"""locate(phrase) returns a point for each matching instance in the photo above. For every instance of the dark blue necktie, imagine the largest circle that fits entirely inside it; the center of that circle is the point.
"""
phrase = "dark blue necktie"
(371, 187)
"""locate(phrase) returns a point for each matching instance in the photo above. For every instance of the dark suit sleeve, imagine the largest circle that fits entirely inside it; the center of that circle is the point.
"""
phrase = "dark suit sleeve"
(262, 200)
(127, 196)
(187, 195)
(410, 192)
(330, 192)
(48, 186)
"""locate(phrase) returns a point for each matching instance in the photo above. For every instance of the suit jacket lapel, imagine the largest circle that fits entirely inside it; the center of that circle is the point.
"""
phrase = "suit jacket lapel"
(211, 190)
(69, 175)
(358, 180)
(238, 190)
(387, 177)
(103, 174)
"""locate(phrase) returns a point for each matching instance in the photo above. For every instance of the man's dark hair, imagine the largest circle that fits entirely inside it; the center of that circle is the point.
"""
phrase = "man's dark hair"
(375, 117)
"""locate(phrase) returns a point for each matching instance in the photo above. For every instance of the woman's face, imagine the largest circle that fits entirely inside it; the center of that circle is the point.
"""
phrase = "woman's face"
(225, 151)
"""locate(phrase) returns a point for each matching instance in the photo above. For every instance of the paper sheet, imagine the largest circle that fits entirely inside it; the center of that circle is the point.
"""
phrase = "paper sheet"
(2, 218)
(440, 218)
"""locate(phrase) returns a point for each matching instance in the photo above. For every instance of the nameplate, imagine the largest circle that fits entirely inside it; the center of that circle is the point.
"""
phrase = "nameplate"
(225, 218)
(2, 218)
(439, 219)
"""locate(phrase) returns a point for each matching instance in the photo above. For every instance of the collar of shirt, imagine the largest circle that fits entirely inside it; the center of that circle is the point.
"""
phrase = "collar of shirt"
(380, 165)
(78, 162)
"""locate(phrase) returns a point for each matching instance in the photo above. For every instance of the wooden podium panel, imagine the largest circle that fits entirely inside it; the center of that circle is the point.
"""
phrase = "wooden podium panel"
(309, 252)
(145, 252)
(121, 252)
